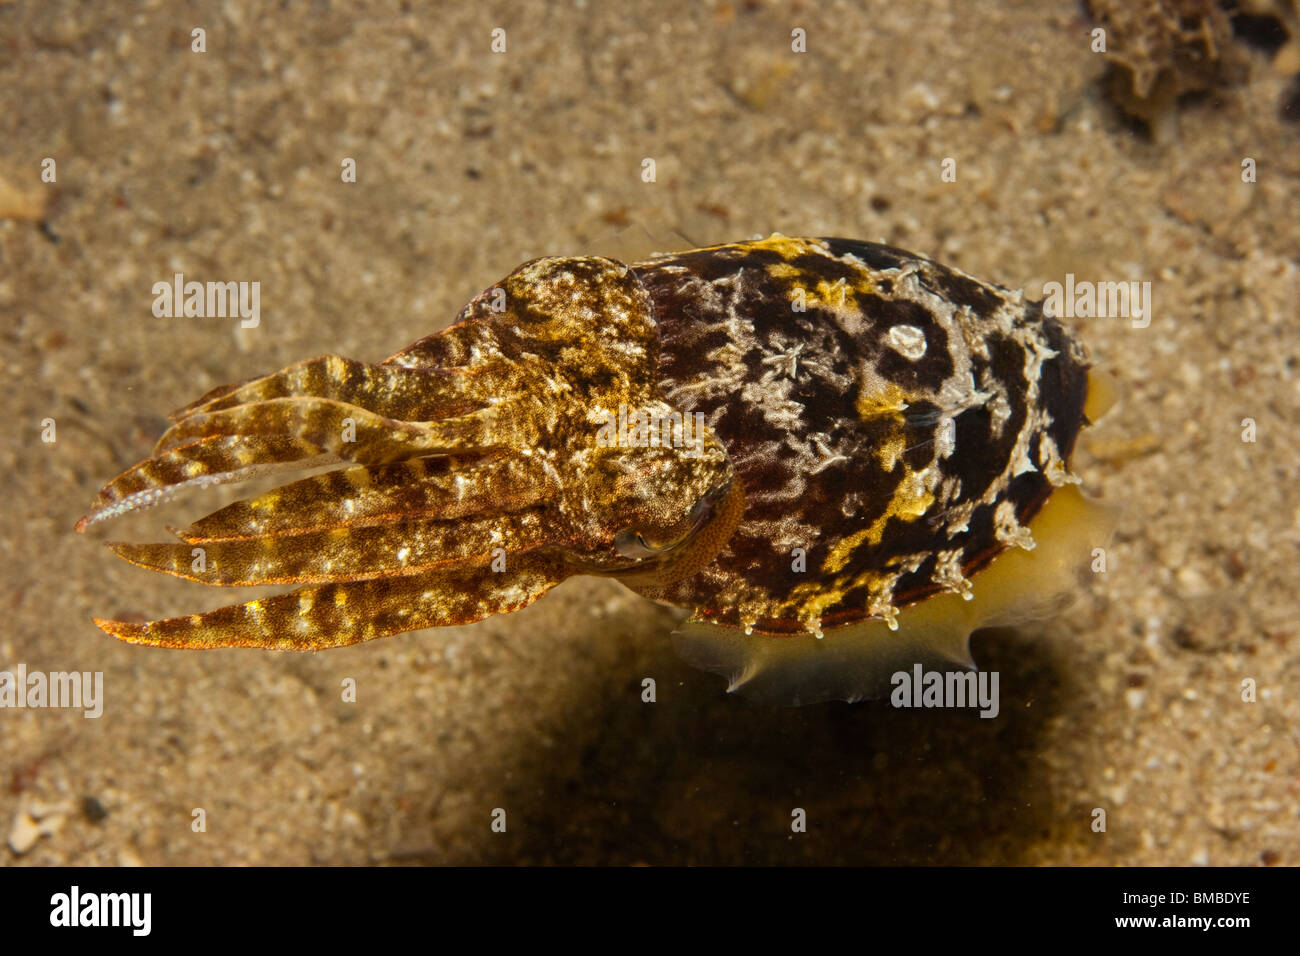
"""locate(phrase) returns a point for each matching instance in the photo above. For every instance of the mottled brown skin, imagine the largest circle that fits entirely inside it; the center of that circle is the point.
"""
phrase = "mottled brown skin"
(898, 421)
(806, 403)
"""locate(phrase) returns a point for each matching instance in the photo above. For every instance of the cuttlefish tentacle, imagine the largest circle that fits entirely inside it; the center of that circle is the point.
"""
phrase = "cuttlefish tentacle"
(348, 431)
(410, 394)
(366, 495)
(336, 615)
(344, 552)
(211, 461)
(249, 441)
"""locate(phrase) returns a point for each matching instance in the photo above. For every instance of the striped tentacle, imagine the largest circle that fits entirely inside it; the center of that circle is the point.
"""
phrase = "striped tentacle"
(409, 394)
(347, 431)
(321, 616)
(248, 441)
(344, 553)
(367, 495)
(215, 461)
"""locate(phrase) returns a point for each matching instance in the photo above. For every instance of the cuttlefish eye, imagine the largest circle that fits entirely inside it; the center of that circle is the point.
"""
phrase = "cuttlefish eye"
(633, 543)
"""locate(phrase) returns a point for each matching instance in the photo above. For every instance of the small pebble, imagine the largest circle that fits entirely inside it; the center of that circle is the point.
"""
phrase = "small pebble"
(93, 810)
(33, 821)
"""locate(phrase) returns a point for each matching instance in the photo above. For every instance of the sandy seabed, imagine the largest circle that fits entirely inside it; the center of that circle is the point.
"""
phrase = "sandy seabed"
(226, 165)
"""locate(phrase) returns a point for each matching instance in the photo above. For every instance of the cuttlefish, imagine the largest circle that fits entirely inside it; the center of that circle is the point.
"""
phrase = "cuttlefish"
(840, 457)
